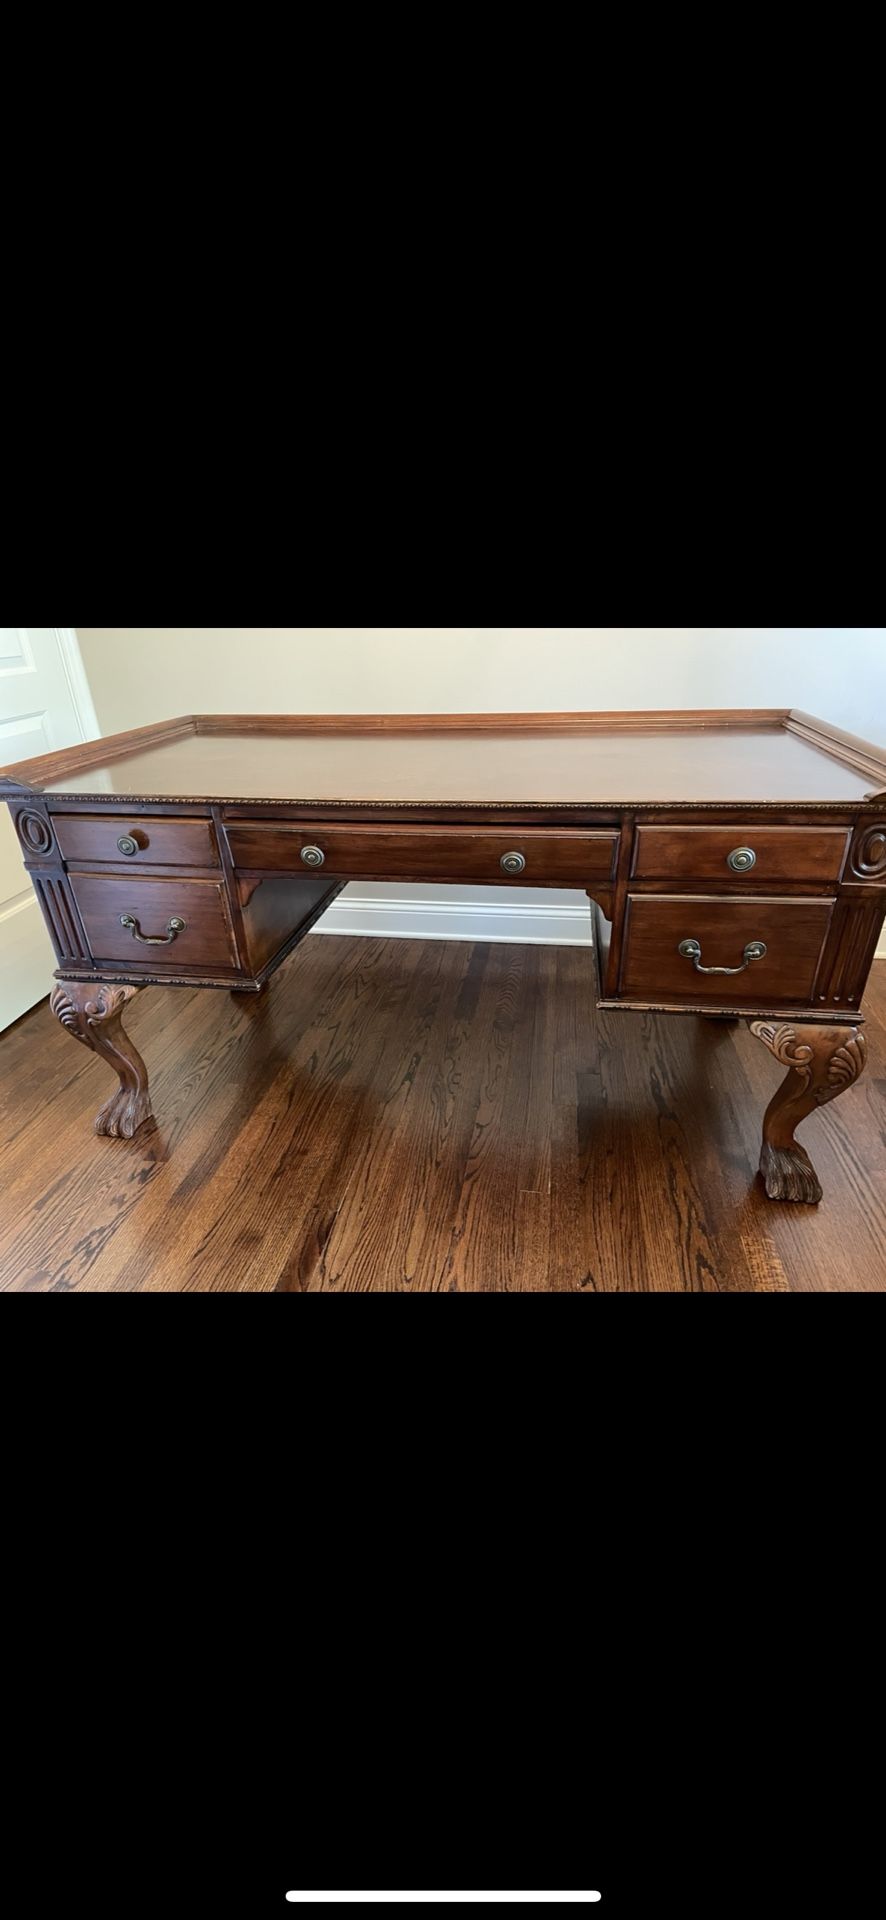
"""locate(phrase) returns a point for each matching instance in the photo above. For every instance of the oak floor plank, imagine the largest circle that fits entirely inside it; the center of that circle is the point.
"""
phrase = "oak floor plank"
(500, 1236)
(566, 1270)
(482, 1254)
(422, 1116)
(535, 1174)
(357, 1238)
(300, 1104)
(451, 1101)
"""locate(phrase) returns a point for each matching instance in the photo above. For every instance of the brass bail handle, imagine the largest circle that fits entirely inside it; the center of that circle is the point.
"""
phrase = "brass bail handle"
(691, 950)
(174, 927)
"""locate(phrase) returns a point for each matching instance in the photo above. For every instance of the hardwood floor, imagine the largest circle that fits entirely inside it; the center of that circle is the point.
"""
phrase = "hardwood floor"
(423, 1116)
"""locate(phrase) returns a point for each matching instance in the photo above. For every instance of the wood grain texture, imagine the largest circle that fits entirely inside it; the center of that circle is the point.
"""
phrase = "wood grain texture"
(449, 797)
(94, 1016)
(277, 910)
(731, 767)
(93, 753)
(793, 932)
(702, 853)
(402, 1116)
(85, 837)
(861, 754)
(142, 748)
(718, 757)
(567, 857)
(822, 1063)
(868, 859)
(63, 923)
(850, 948)
(207, 940)
(649, 720)
(34, 828)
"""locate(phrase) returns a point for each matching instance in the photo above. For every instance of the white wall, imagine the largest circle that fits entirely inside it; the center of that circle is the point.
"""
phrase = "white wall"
(139, 674)
(148, 673)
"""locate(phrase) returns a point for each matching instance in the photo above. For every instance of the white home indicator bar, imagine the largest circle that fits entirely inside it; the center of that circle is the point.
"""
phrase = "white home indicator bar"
(540, 1899)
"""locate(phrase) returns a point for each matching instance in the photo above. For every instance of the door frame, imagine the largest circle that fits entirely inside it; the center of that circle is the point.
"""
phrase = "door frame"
(81, 719)
(75, 674)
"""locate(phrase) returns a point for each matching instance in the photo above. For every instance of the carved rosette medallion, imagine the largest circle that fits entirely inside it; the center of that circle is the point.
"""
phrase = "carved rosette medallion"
(34, 832)
(869, 851)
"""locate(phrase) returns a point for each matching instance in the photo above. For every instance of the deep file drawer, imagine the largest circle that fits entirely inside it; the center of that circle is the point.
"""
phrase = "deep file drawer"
(162, 923)
(792, 932)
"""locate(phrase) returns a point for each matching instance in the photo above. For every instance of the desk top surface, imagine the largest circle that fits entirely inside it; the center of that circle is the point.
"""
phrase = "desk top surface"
(482, 760)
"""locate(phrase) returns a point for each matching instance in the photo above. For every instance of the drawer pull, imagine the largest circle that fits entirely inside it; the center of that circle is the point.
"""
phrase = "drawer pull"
(313, 856)
(127, 845)
(512, 863)
(741, 860)
(690, 949)
(173, 928)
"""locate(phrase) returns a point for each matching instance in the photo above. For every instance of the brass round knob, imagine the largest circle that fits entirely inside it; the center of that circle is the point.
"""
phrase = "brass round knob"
(313, 856)
(512, 863)
(741, 860)
(127, 845)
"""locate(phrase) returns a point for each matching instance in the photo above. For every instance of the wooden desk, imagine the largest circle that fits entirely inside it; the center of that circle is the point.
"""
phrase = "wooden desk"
(735, 861)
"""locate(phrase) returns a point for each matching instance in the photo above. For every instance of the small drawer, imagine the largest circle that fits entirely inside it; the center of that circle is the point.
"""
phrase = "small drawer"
(168, 923)
(144, 840)
(739, 854)
(558, 857)
(793, 933)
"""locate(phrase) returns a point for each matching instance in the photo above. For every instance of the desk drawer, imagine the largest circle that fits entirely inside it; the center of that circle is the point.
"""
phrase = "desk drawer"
(148, 841)
(155, 906)
(558, 857)
(740, 854)
(792, 931)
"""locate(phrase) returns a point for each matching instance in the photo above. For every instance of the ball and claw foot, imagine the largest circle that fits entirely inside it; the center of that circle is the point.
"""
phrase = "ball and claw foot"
(123, 1114)
(789, 1174)
(93, 1014)
(822, 1062)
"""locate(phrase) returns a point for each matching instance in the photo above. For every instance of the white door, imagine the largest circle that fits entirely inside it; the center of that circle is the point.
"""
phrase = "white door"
(44, 704)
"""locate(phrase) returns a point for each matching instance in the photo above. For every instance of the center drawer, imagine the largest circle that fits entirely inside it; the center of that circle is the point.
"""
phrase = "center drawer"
(533, 857)
(793, 933)
(169, 923)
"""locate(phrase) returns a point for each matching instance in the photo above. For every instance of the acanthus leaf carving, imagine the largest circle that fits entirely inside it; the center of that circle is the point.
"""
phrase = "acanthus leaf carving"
(92, 1013)
(822, 1062)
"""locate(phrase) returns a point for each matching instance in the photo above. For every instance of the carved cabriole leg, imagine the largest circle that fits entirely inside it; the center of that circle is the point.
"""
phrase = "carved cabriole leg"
(822, 1062)
(93, 1014)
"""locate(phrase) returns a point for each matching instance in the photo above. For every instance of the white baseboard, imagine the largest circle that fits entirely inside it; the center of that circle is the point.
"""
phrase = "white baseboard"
(449, 918)
(453, 919)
